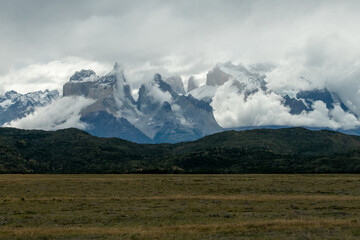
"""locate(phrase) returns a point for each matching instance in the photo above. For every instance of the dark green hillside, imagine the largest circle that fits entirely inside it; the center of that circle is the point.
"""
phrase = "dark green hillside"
(291, 150)
(70, 151)
(280, 141)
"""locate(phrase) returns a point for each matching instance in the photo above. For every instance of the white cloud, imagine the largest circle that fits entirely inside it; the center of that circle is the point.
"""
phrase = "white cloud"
(182, 37)
(345, 119)
(157, 94)
(313, 44)
(231, 109)
(62, 113)
(51, 75)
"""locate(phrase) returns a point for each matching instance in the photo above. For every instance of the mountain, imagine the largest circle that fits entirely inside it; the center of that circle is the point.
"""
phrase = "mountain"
(241, 99)
(290, 150)
(167, 116)
(233, 97)
(251, 80)
(244, 80)
(304, 100)
(160, 114)
(14, 105)
(104, 124)
(192, 84)
(176, 84)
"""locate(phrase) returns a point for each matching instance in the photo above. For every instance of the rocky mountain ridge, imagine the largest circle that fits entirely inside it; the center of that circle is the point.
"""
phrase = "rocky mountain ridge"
(160, 114)
(163, 112)
(14, 105)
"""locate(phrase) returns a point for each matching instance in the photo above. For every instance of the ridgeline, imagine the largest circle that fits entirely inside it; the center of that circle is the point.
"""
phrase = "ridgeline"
(288, 150)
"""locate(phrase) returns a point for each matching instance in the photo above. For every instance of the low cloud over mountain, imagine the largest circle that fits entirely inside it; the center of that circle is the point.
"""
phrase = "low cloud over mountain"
(232, 97)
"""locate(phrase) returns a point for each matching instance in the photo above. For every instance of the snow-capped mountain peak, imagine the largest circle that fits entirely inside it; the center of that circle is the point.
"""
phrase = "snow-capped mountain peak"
(16, 105)
(249, 81)
(236, 95)
(244, 80)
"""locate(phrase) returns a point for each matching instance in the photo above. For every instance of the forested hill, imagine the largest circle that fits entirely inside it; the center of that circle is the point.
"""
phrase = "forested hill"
(289, 150)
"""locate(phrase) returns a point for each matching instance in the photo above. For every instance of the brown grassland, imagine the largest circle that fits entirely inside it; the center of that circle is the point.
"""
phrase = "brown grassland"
(180, 207)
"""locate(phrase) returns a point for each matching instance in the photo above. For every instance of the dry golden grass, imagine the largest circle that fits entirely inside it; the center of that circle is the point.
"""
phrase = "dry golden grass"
(276, 224)
(252, 198)
(179, 207)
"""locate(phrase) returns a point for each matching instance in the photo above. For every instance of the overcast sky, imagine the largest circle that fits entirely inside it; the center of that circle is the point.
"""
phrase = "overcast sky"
(44, 41)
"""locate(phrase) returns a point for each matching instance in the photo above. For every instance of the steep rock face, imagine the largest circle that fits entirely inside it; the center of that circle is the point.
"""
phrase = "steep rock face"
(192, 84)
(169, 117)
(176, 84)
(161, 113)
(304, 100)
(76, 89)
(80, 83)
(217, 77)
(106, 90)
(113, 99)
(15, 105)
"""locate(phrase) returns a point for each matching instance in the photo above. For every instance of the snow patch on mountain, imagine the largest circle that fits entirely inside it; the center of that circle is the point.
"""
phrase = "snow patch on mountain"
(205, 93)
(15, 105)
(233, 96)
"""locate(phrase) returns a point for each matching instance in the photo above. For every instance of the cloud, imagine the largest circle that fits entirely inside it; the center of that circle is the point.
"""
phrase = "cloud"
(261, 109)
(157, 94)
(52, 75)
(62, 113)
(312, 44)
(181, 37)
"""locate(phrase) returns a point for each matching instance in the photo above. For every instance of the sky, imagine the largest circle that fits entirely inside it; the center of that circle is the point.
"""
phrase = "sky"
(43, 42)
(310, 44)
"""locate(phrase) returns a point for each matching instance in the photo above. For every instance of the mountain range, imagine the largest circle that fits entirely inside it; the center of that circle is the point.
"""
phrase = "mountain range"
(164, 112)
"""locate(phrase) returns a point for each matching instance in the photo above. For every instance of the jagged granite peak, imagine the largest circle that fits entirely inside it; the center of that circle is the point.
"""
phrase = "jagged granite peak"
(116, 74)
(94, 86)
(176, 84)
(84, 75)
(192, 84)
(167, 116)
(152, 94)
(165, 87)
(14, 105)
(246, 81)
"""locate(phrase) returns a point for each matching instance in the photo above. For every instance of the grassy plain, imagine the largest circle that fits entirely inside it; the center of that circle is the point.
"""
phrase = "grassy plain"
(180, 207)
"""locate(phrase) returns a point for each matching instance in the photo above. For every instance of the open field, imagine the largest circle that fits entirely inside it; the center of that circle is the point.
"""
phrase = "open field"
(180, 207)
